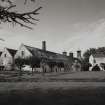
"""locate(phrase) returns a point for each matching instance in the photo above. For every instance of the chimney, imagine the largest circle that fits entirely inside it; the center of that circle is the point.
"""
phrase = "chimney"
(79, 54)
(71, 55)
(64, 53)
(44, 45)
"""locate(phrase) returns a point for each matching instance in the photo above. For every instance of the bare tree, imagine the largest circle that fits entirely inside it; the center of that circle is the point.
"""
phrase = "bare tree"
(14, 17)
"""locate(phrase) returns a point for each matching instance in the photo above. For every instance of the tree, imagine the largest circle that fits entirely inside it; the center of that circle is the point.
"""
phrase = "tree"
(93, 51)
(85, 65)
(19, 62)
(85, 60)
(88, 53)
(15, 17)
(33, 62)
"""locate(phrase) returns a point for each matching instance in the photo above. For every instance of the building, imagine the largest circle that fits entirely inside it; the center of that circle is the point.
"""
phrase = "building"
(49, 59)
(97, 59)
(79, 55)
(76, 62)
(7, 58)
(46, 59)
(43, 54)
(25, 51)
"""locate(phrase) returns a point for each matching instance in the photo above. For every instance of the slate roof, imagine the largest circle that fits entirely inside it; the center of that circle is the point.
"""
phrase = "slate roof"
(46, 54)
(12, 51)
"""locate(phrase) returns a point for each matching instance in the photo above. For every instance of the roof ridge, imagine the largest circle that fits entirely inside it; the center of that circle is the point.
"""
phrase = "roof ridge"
(50, 55)
(11, 49)
(41, 49)
(31, 46)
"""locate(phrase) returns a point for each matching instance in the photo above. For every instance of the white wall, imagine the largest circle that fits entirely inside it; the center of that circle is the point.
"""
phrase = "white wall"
(91, 60)
(6, 61)
(19, 52)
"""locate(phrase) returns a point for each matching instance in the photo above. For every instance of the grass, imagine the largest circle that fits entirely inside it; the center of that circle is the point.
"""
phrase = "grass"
(37, 96)
(13, 76)
(72, 88)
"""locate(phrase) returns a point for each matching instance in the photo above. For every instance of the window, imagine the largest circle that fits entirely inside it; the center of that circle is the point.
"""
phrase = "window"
(22, 53)
(5, 55)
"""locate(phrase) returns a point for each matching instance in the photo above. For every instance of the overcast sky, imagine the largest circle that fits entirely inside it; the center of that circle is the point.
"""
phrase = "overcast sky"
(65, 24)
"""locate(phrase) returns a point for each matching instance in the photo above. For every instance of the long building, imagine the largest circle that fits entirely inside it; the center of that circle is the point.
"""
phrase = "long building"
(8, 56)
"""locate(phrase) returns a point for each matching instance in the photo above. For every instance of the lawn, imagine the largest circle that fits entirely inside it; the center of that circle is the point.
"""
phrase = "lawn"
(52, 93)
(65, 88)
(13, 76)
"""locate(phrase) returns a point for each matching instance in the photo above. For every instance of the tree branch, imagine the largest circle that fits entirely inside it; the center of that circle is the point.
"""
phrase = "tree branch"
(19, 18)
(23, 19)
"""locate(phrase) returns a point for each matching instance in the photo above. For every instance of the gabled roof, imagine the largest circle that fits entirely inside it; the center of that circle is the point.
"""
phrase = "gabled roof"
(12, 51)
(46, 54)
(98, 55)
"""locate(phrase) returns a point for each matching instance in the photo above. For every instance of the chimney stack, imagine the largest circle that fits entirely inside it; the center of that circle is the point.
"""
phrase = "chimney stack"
(79, 54)
(44, 45)
(71, 55)
(64, 53)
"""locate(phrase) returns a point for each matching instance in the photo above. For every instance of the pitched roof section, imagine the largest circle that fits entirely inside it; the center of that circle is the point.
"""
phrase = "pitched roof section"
(99, 55)
(12, 51)
(46, 54)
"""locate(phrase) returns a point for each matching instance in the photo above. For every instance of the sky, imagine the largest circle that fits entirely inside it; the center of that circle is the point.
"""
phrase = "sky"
(65, 25)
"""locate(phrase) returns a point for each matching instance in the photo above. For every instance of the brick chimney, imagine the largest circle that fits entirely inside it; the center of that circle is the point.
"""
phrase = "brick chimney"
(71, 55)
(44, 45)
(79, 54)
(64, 53)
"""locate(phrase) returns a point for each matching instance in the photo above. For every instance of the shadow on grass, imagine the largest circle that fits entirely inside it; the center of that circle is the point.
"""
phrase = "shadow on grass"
(54, 97)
